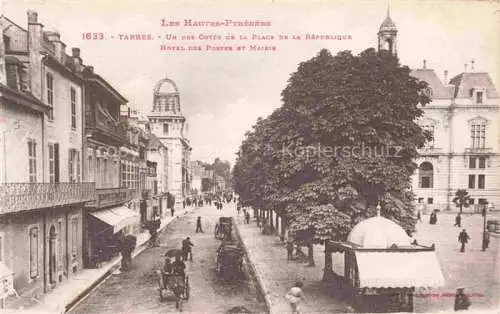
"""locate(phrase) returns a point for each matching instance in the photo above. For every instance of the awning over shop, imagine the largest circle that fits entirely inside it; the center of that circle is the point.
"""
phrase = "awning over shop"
(117, 217)
(399, 269)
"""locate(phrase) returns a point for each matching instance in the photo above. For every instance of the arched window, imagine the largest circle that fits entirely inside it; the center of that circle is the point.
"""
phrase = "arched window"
(426, 175)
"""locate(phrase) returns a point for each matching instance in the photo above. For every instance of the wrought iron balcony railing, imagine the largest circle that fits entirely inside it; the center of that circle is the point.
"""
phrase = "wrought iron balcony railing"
(477, 150)
(16, 197)
(430, 151)
(111, 196)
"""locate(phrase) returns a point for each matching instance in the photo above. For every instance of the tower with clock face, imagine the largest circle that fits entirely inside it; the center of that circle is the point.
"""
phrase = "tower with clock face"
(170, 126)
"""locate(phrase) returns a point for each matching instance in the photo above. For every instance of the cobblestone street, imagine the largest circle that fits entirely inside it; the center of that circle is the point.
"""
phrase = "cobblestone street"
(136, 291)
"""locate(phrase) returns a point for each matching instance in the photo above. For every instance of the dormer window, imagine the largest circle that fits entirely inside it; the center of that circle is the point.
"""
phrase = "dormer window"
(479, 97)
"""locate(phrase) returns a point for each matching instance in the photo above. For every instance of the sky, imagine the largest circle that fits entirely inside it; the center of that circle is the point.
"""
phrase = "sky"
(224, 92)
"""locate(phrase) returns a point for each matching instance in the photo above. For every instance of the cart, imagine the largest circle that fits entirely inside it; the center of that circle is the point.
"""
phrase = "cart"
(229, 260)
(223, 228)
(173, 286)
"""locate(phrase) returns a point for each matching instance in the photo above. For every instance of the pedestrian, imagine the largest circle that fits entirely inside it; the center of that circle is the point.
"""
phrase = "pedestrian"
(172, 211)
(289, 249)
(419, 216)
(186, 249)
(463, 238)
(198, 225)
(184, 204)
(486, 241)
(433, 218)
(294, 296)
(247, 218)
(238, 209)
(178, 266)
(462, 301)
(458, 221)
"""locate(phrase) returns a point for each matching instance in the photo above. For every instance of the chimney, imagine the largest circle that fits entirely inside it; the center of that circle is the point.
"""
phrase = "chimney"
(446, 76)
(472, 66)
(35, 36)
(75, 55)
(425, 64)
(60, 47)
(465, 68)
(3, 75)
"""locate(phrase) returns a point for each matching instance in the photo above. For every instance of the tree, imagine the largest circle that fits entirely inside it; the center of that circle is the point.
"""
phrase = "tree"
(461, 199)
(343, 140)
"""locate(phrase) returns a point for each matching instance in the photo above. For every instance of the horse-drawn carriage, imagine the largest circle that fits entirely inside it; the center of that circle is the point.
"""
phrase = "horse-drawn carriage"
(223, 228)
(229, 260)
(174, 283)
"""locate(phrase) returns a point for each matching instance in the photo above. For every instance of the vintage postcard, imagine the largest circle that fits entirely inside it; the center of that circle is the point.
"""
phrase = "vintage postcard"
(270, 156)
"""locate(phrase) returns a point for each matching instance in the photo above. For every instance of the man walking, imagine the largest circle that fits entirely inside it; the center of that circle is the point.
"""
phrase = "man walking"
(198, 225)
(289, 249)
(186, 249)
(458, 221)
(463, 238)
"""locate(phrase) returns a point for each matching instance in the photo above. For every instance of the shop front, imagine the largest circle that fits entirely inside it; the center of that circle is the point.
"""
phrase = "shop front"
(107, 228)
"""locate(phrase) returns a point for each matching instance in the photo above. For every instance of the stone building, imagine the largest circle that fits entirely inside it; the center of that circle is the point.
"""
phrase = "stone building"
(169, 125)
(158, 154)
(463, 118)
(42, 194)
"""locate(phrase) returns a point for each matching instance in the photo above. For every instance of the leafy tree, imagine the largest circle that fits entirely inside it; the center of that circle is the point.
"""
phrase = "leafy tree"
(343, 140)
(461, 199)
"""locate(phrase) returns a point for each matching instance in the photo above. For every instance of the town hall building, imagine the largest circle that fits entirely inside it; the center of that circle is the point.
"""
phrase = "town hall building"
(463, 119)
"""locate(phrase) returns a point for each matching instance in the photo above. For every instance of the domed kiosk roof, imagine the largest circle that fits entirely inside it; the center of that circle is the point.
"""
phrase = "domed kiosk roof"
(388, 24)
(378, 232)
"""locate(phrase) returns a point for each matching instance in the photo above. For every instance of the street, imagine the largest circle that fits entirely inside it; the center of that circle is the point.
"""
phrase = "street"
(136, 291)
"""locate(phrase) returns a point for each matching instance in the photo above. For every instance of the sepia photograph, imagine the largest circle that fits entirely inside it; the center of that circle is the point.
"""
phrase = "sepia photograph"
(254, 156)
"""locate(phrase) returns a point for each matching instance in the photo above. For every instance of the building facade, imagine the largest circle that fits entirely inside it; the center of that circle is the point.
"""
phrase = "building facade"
(169, 125)
(463, 119)
(158, 157)
(42, 190)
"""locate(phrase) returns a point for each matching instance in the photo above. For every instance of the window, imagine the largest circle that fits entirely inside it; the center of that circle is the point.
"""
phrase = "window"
(429, 129)
(52, 168)
(482, 162)
(472, 162)
(482, 201)
(430, 200)
(74, 237)
(73, 108)
(50, 95)
(426, 174)
(73, 166)
(124, 173)
(471, 201)
(479, 97)
(32, 160)
(33, 234)
(481, 181)
(165, 128)
(472, 181)
(478, 135)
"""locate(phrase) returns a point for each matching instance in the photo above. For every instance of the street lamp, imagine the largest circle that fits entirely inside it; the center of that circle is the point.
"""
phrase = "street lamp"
(485, 235)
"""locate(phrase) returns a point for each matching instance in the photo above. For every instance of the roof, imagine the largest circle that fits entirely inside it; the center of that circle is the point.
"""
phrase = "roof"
(399, 269)
(378, 233)
(466, 81)
(388, 25)
(439, 91)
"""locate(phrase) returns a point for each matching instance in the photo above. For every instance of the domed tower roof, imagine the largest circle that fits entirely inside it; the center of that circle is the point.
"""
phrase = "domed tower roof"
(378, 233)
(388, 24)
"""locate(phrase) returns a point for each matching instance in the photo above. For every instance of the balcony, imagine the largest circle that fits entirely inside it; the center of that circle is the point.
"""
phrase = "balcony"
(16, 197)
(111, 196)
(103, 126)
(476, 150)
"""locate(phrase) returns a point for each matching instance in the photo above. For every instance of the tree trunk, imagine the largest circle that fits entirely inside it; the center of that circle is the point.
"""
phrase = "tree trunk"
(283, 229)
(461, 208)
(277, 223)
(328, 271)
(310, 254)
(271, 218)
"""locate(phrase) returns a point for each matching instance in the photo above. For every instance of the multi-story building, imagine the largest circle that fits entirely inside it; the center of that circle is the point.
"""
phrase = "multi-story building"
(158, 154)
(197, 172)
(169, 124)
(42, 194)
(463, 118)
(107, 219)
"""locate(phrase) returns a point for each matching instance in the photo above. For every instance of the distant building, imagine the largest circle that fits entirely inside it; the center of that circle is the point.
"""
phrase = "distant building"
(463, 118)
(169, 125)
(158, 154)
(41, 191)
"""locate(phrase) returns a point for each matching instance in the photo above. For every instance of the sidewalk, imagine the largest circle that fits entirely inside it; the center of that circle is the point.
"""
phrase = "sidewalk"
(66, 293)
(276, 275)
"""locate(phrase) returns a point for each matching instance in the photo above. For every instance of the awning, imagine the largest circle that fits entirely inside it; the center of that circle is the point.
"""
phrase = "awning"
(117, 217)
(399, 269)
